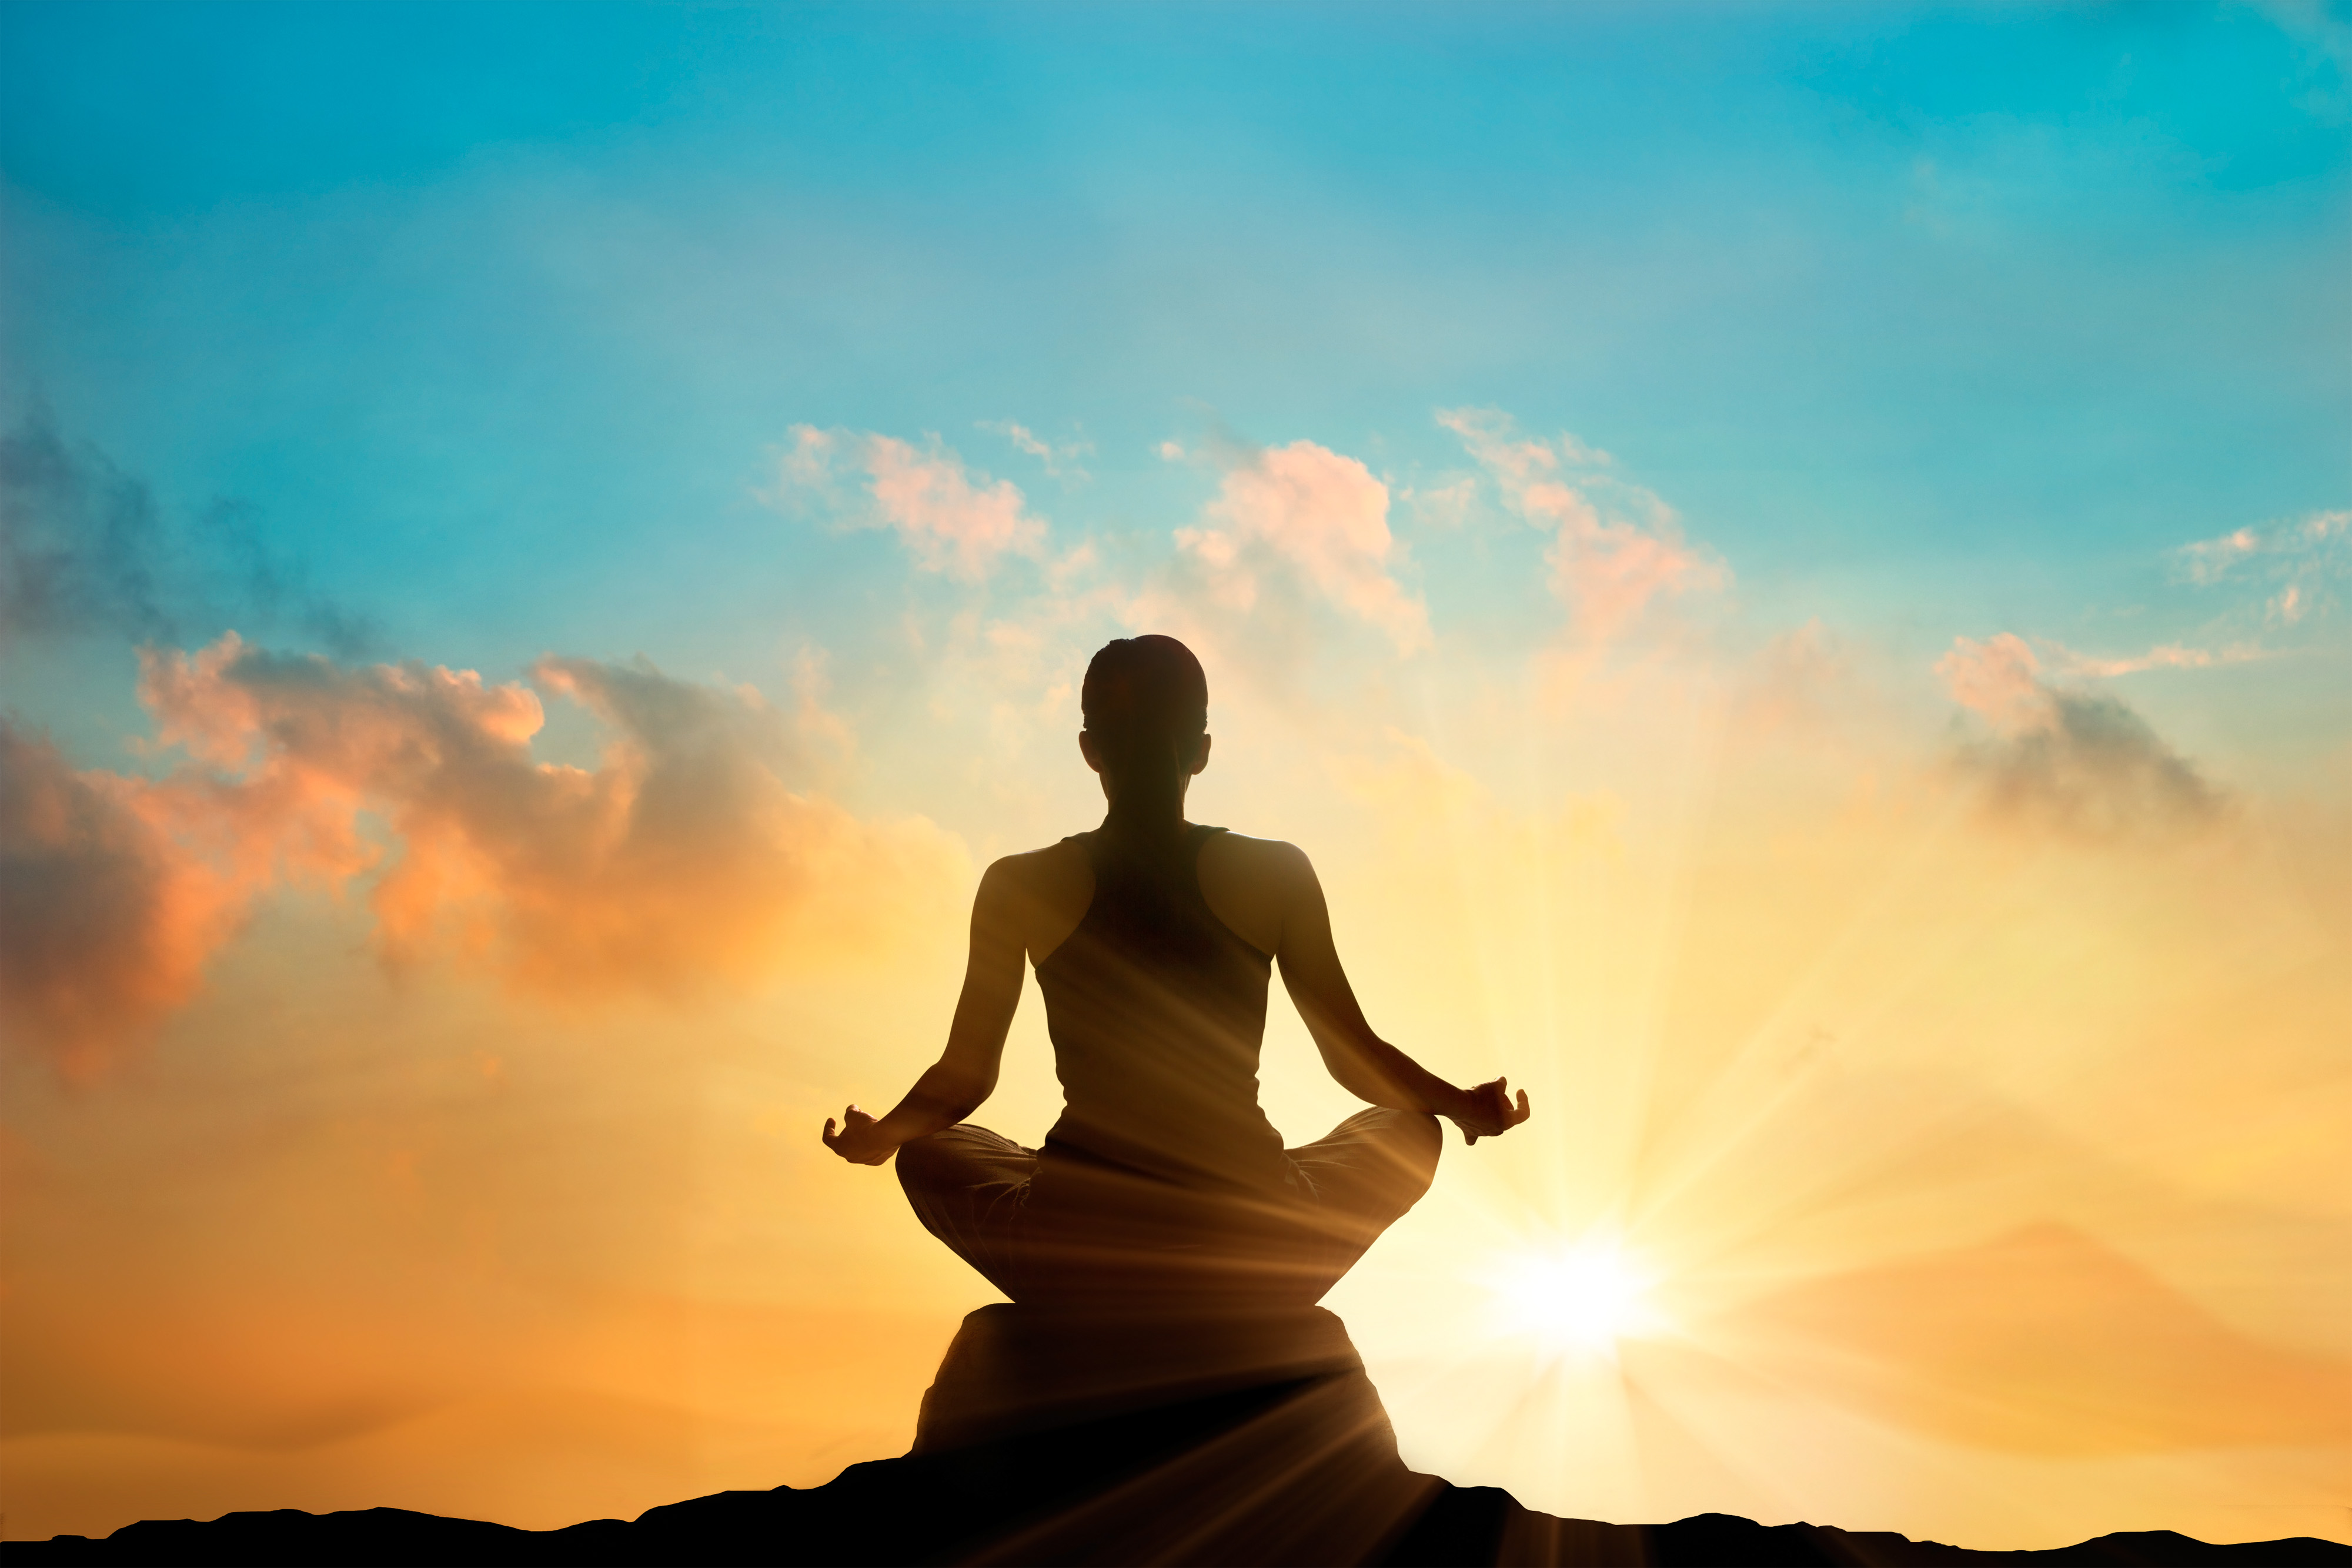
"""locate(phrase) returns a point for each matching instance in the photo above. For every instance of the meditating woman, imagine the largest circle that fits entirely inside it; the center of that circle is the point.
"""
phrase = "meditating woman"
(1162, 1185)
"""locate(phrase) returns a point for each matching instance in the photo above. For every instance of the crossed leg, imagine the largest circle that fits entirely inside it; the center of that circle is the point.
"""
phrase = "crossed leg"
(970, 1187)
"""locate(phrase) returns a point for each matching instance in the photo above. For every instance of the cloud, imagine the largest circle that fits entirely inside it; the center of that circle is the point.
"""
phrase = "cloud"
(2000, 676)
(684, 858)
(808, 463)
(1060, 462)
(949, 521)
(1616, 548)
(80, 541)
(2300, 556)
(106, 921)
(1442, 505)
(1999, 679)
(1304, 510)
(683, 862)
(2080, 763)
(2164, 656)
(2210, 560)
(85, 549)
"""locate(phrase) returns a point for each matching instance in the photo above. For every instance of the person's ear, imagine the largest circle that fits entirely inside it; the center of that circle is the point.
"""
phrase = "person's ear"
(1086, 749)
(1201, 757)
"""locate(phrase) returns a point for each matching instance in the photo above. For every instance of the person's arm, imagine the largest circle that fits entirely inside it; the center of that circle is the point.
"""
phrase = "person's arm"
(1364, 1064)
(954, 1087)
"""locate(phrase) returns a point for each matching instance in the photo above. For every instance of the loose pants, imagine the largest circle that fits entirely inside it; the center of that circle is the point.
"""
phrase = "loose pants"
(1048, 1230)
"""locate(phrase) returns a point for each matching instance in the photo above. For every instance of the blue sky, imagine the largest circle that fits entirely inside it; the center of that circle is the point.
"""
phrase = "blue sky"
(1928, 321)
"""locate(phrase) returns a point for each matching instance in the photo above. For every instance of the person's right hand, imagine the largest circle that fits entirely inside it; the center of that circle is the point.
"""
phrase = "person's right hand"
(1487, 1111)
(858, 1140)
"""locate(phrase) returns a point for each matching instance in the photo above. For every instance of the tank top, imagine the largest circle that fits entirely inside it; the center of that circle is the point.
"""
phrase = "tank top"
(1157, 1010)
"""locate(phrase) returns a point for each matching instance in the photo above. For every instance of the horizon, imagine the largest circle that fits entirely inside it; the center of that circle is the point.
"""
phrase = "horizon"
(1787, 563)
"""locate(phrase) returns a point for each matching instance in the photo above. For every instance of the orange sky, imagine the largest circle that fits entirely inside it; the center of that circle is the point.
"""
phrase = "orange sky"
(1967, 1093)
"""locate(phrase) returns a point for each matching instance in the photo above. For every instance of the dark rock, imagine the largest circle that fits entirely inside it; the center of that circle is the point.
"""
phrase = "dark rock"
(1048, 1439)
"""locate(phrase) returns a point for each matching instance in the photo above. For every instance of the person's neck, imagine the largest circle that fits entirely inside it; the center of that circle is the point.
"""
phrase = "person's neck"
(1146, 822)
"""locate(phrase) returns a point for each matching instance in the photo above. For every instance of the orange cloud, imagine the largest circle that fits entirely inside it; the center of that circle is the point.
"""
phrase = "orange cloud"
(949, 522)
(1607, 567)
(106, 919)
(1307, 509)
(683, 860)
(1999, 679)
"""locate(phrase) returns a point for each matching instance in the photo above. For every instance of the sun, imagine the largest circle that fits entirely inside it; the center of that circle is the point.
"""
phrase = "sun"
(1580, 1297)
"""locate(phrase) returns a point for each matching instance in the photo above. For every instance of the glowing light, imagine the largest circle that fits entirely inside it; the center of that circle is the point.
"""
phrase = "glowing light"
(1582, 1297)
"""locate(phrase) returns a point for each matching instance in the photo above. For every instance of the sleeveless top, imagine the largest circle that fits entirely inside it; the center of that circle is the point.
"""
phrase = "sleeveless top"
(1157, 1009)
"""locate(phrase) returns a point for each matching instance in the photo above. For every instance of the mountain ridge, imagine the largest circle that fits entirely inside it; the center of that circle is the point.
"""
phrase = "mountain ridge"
(1052, 1437)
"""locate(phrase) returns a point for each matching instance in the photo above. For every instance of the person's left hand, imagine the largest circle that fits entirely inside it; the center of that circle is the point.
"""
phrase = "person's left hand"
(1488, 1112)
(859, 1139)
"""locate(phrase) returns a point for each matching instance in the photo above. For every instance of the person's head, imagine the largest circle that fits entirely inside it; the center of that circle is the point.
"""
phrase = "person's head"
(1146, 702)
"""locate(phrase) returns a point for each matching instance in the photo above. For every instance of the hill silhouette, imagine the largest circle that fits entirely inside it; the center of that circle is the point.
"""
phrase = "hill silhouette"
(1050, 1439)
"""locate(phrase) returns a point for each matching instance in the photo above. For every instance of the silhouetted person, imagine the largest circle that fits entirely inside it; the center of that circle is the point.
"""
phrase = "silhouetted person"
(1162, 1184)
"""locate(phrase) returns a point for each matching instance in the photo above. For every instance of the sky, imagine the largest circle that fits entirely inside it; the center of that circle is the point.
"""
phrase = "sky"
(1787, 563)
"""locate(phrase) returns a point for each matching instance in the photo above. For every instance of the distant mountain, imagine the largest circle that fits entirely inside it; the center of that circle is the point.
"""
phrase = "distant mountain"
(2043, 1340)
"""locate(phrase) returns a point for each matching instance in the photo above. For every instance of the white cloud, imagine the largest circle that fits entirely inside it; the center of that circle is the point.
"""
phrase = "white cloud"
(1060, 460)
(2210, 560)
(2299, 557)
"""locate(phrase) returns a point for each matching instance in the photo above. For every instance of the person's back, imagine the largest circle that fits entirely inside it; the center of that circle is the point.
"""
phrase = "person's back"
(1152, 941)
(1157, 1009)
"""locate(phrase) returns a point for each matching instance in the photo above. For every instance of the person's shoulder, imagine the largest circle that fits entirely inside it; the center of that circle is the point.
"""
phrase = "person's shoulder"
(1275, 856)
(1028, 869)
(1065, 850)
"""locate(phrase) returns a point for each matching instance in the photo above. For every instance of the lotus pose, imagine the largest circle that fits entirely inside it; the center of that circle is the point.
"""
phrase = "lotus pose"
(1153, 940)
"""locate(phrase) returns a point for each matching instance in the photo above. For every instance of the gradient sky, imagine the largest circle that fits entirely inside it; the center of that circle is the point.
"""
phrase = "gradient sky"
(1788, 563)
